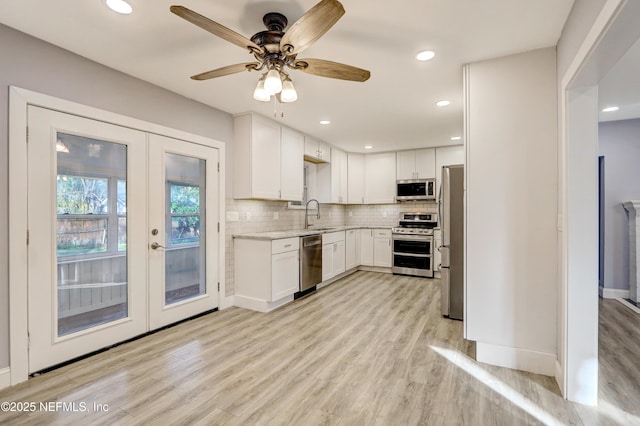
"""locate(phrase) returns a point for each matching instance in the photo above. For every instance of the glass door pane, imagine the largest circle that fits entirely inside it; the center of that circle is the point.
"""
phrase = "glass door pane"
(91, 228)
(185, 275)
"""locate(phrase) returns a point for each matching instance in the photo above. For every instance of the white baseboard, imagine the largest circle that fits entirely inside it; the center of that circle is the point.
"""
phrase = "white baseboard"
(260, 305)
(226, 302)
(629, 305)
(613, 293)
(560, 378)
(374, 269)
(5, 377)
(517, 359)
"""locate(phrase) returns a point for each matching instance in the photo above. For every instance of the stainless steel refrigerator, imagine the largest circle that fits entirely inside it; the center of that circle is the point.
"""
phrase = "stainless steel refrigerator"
(451, 203)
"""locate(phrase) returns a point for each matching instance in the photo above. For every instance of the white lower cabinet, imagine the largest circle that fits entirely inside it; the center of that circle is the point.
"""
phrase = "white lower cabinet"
(366, 247)
(333, 254)
(352, 248)
(327, 261)
(382, 248)
(266, 272)
(375, 247)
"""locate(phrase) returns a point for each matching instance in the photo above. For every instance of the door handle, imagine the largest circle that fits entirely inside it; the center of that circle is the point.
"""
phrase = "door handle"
(156, 246)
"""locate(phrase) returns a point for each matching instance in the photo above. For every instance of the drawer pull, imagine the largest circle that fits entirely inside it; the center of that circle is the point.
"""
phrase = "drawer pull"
(287, 245)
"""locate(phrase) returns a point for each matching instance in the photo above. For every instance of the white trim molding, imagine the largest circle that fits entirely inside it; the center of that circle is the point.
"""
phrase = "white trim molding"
(517, 359)
(5, 377)
(631, 306)
(613, 293)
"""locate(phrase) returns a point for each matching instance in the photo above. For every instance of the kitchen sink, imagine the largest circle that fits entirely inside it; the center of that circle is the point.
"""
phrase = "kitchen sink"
(312, 228)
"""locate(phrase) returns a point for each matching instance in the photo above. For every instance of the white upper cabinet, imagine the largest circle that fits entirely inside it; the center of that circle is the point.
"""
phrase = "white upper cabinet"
(416, 164)
(291, 165)
(355, 179)
(316, 151)
(256, 157)
(265, 167)
(332, 179)
(380, 178)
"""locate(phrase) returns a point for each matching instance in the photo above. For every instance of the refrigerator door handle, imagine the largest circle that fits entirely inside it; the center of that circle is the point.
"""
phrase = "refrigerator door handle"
(444, 291)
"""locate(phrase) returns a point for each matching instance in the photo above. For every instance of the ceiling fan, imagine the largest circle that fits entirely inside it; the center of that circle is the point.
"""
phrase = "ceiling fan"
(276, 50)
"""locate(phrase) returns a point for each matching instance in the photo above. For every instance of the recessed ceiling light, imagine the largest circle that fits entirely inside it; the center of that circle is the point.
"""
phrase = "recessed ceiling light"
(610, 109)
(368, 147)
(425, 55)
(442, 103)
(325, 122)
(456, 138)
(120, 6)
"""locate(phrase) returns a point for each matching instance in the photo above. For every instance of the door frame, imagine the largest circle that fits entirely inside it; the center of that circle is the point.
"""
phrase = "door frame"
(19, 99)
(611, 34)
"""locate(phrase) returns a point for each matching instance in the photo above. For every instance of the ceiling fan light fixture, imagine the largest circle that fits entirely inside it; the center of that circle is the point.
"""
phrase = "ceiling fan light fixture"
(273, 83)
(261, 94)
(120, 6)
(288, 93)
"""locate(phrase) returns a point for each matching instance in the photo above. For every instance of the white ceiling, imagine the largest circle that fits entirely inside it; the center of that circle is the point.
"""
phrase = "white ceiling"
(621, 87)
(395, 109)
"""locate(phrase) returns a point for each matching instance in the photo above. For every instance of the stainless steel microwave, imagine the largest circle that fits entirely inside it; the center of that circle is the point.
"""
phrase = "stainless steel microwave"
(416, 189)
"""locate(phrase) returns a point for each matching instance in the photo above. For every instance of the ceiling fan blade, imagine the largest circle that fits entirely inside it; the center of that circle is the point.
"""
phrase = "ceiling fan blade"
(331, 69)
(311, 26)
(215, 28)
(229, 69)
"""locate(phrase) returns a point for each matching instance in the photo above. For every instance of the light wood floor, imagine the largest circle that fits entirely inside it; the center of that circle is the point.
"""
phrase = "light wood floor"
(369, 349)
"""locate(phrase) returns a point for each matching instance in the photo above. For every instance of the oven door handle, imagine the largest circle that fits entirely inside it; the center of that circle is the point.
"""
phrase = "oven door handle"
(404, 237)
(395, 253)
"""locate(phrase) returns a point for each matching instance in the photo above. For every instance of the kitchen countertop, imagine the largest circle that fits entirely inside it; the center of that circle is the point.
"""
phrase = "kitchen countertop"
(278, 235)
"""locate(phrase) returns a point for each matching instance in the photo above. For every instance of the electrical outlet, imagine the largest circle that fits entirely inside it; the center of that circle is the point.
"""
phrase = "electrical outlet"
(276, 215)
(350, 213)
(384, 214)
(233, 216)
(248, 216)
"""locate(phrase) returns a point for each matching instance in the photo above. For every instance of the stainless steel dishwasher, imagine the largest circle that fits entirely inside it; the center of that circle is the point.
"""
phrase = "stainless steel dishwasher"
(310, 261)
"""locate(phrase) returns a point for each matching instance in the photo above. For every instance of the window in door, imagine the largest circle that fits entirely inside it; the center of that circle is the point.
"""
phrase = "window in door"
(185, 251)
(91, 229)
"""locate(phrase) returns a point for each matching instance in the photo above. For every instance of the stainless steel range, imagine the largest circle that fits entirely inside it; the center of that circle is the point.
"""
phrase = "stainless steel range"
(413, 244)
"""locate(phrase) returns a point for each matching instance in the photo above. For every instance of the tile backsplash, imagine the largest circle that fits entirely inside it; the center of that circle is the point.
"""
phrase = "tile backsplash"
(249, 216)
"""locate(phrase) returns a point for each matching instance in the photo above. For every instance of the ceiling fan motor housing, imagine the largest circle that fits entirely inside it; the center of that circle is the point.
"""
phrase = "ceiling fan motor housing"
(270, 39)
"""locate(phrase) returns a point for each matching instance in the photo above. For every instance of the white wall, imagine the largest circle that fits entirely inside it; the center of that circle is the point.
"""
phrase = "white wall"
(35, 65)
(511, 121)
(619, 143)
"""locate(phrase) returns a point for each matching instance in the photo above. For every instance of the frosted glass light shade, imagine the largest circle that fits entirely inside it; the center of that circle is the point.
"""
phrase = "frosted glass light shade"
(272, 83)
(288, 93)
(261, 94)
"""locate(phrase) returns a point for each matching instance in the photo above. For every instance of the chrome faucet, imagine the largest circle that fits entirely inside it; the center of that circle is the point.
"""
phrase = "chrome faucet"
(306, 213)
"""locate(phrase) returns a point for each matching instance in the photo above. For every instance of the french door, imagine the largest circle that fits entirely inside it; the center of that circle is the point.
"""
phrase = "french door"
(121, 227)
(183, 180)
